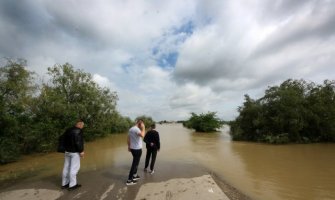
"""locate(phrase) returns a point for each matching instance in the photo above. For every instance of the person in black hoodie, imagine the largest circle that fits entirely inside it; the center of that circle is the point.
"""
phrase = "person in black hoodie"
(74, 149)
(153, 145)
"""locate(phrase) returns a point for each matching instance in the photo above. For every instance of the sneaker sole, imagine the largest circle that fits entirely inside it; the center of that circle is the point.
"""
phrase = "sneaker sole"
(132, 183)
(73, 188)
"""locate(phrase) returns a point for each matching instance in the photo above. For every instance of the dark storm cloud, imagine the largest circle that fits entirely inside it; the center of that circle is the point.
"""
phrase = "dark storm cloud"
(20, 23)
(279, 9)
(24, 15)
(28, 26)
(318, 24)
(70, 20)
(199, 52)
(253, 56)
(204, 73)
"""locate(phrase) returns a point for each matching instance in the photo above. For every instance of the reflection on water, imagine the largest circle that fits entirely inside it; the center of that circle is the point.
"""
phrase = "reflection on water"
(260, 171)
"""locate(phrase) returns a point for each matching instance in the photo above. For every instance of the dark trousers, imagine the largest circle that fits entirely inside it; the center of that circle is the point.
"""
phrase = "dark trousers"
(153, 153)
(136, 160)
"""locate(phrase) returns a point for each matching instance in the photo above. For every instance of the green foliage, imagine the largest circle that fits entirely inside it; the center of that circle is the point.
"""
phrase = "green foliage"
(16, 96)
(295, 111)
(31, 120)
(79, 92)
(148, 121)
(204, 122)
(120, 124)
(9, 150)
(72, 94)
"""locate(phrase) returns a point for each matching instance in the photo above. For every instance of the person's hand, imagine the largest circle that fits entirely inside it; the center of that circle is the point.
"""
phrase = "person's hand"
(151, 144)
(82, 154)
(129, 149)
(142, 126)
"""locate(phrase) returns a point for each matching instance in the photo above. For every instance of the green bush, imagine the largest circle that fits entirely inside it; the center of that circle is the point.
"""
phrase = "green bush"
(121, 124)
(9, 150)
(31, 120)
(276, 139)
(295, 111)
(204, 122)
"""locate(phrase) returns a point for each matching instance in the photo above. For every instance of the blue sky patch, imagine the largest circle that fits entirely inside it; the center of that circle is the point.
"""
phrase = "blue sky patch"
(168, 60)
(187, 28)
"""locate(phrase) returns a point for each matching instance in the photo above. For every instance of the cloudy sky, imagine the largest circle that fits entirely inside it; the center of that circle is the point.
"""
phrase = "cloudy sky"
(167, 58)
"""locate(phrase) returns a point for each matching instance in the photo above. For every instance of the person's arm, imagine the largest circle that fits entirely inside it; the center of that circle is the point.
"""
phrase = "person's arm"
(145, 139)
(158, 142)
(79, 142)
(128, 142)
(82, 153)
(142, 129)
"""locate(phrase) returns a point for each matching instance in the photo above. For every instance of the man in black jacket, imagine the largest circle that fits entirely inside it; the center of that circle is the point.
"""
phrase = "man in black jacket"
(74, 149)
(153, 145)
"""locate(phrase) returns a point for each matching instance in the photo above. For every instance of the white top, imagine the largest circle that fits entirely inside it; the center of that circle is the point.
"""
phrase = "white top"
(135, 139)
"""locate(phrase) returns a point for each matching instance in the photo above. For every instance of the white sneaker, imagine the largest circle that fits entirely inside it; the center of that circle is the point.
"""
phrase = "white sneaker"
(131, 182)
(136, 177)
(152, 172)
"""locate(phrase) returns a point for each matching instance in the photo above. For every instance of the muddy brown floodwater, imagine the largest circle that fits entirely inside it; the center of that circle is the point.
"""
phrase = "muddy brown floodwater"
(261, 171)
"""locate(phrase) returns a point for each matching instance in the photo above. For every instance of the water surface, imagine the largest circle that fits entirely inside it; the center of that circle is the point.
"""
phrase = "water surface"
(260, 171)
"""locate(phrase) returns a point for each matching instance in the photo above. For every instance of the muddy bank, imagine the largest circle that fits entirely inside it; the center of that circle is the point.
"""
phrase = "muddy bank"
(110, 184)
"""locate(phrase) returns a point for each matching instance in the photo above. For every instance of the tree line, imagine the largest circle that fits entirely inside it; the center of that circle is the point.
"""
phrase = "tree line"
(296, 111)
(33, 116)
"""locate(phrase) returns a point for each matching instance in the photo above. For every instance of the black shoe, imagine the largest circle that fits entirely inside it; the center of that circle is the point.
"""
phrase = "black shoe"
(135, 178)
(131, 182)
(74, 187)
(65, 186)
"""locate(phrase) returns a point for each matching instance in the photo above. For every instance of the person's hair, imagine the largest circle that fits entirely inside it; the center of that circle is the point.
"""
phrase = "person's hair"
(139, 121)
(153, 126)
(79, 121)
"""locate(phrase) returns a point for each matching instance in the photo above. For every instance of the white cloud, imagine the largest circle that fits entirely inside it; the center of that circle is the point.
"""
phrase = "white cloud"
(229, 49)
(102, 81)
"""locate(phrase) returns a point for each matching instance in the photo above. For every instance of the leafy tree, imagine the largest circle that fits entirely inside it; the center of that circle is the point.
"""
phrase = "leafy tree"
(204, 122)
(73, 94)
(295, 111)
(120, 124)
(320, 117)
(16, 96)
(249, 120)
(284, 108)
(31, 120)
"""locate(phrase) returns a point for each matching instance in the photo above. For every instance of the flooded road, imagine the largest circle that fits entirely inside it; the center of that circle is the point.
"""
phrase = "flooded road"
(258, 170)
